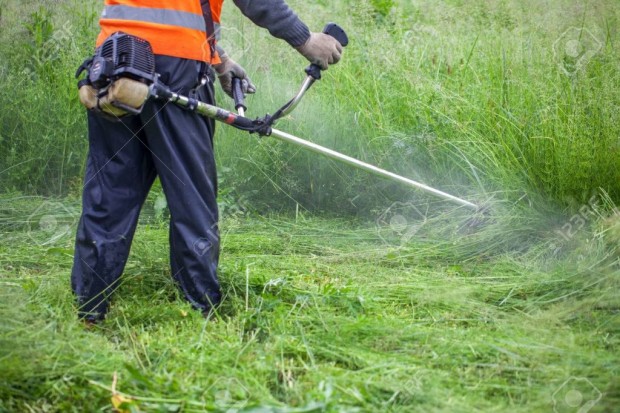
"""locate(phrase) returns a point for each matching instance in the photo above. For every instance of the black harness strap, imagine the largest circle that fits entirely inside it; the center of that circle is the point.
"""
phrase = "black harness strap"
(210, 25)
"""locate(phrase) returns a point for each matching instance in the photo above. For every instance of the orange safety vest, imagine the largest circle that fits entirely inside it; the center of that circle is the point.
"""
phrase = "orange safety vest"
(173, 27)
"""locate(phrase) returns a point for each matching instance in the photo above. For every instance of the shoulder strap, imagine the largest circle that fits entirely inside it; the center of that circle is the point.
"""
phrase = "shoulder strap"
(210, 25)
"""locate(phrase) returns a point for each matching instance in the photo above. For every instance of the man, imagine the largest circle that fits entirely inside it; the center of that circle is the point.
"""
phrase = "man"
(125, 157)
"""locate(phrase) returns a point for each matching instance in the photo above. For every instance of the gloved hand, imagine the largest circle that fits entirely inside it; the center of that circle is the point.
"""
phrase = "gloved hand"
(321, 49)
(229, 69)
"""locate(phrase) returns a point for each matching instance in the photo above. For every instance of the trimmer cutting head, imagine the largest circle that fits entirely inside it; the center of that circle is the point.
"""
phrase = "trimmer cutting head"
(480, 217)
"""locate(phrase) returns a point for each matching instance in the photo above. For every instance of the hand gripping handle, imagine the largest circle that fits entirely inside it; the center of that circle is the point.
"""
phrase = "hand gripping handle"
(337, 33)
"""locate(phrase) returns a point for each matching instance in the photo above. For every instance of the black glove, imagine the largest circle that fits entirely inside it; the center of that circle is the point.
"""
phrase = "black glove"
(229, 69)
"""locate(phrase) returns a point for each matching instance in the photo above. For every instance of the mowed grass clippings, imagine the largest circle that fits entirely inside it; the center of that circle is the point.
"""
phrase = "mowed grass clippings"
(319, 315)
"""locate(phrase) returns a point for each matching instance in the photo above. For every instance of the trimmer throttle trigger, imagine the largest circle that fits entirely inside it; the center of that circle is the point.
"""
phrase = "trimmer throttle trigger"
(337, 33)
(238, 96)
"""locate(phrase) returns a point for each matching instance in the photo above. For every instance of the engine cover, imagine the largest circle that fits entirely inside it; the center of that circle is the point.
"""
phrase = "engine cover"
(122, 55)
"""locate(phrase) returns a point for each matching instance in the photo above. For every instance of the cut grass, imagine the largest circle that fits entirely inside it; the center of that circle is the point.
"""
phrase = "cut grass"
(319, 315)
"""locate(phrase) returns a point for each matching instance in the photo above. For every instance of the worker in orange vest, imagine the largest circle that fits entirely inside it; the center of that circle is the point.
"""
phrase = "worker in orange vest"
(165, 141)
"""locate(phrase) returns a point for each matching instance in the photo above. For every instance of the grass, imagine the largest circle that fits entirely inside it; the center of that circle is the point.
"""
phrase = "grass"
(319, 315)
(325, 311)
(467, 96)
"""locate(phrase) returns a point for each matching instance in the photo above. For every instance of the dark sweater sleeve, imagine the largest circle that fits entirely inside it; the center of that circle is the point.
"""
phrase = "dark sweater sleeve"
(277, 17)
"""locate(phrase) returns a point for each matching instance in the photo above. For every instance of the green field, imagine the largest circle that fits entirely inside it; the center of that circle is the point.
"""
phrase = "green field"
(331, 303)
(319, 315)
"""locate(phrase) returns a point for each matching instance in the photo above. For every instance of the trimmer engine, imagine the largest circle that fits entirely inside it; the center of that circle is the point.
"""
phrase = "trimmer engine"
(122, 59)
(122, 55)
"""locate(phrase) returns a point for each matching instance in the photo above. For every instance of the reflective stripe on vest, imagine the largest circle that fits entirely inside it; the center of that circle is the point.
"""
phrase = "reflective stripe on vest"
(172, 27)
(161, 16)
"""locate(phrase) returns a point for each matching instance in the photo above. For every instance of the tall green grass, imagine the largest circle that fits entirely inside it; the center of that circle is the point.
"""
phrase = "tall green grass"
(467, 96)
(42, 129)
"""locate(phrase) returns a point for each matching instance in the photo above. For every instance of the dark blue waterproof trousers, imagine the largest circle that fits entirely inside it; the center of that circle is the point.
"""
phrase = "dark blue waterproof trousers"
(123, 160)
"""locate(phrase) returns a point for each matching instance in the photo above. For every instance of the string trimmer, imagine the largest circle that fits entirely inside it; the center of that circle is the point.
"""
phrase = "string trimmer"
(121, 78)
